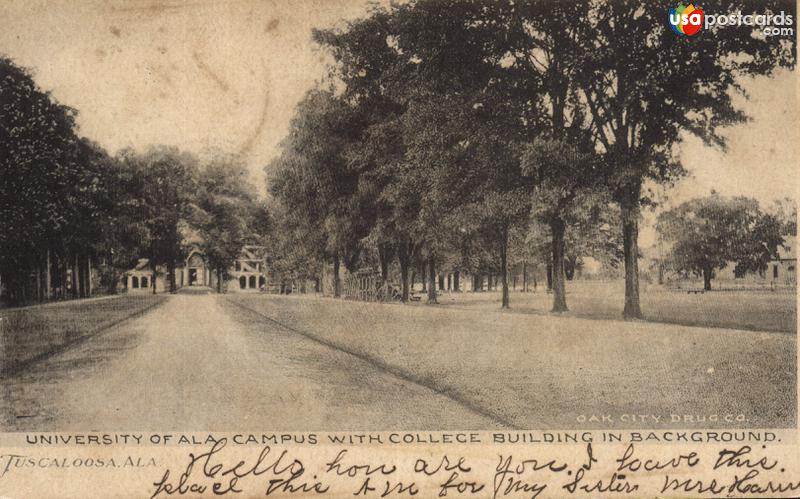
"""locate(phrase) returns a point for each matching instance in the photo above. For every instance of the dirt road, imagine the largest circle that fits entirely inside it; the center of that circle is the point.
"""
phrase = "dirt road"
(189, 365)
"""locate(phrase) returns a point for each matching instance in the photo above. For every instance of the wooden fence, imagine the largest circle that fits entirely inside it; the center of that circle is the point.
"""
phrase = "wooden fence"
(367, 286)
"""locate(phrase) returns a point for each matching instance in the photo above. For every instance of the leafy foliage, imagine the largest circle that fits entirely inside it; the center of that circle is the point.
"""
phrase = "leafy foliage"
(707, 233)
(224, 206)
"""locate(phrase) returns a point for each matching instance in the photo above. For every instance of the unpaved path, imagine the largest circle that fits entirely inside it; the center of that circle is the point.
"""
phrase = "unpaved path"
(189, 365)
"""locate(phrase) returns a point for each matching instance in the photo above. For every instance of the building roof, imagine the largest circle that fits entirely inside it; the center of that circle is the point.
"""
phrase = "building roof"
(249, 252)
(788, 251)
(142, 264)
(252, 252)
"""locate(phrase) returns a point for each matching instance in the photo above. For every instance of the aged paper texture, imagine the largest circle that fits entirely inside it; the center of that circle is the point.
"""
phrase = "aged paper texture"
(425, 248)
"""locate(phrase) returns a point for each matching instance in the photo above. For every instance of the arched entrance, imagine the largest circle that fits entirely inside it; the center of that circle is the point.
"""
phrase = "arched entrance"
(196, 269)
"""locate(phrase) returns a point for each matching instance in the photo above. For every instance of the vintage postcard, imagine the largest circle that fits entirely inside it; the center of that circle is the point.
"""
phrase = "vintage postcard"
(413, 248)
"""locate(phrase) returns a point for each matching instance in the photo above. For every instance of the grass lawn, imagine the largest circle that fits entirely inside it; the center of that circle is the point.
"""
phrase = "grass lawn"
(752, 310)
(541, 371)
(30, 333)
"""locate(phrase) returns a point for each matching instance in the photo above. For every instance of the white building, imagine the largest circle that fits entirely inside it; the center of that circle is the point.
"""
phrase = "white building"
(248, 273)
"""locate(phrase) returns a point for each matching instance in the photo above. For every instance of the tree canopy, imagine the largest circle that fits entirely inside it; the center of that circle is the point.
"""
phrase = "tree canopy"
(709, 233)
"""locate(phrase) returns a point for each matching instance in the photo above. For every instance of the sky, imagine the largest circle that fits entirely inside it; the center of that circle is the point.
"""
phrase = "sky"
(195, 74)
(226, 75)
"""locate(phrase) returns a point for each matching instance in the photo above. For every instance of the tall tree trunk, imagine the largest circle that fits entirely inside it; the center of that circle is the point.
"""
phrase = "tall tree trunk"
(89, 276)
(82, 277)
(38, 282)
(405, 292)
(219, 281)
(524, 277)
(424, 279)
(84, 270)
(86, 277)
(549, 275)
(432, 280)
(630, 239)
(385, 255)
(79, 269)
(456, 281)
(404, 257)
(557, 227)
(441, 282)
(153, 281)
(48, 283)
(171, 275)
(64, 279)
(337, 287)
(75, 291)
(504, 266)
(708, 274)
(384, 270)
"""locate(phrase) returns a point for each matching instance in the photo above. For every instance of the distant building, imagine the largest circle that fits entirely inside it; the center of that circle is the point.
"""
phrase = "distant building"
(140, 277)
(780, 271)
(784, 269)
(249, 270)
(248, 273)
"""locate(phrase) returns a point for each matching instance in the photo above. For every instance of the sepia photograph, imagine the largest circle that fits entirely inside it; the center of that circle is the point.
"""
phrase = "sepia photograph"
(428, 215)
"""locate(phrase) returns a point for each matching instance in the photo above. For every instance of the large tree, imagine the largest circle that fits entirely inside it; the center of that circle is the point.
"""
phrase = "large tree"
(166, 179)
(562, 183)
(544, 48)
(607, 77)
(101, 236)
(440, 128)
(225, 203)
(706, 234)
(644, 87)
(785, 211)
(312, 180)
(51, 192)
(125, 233)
